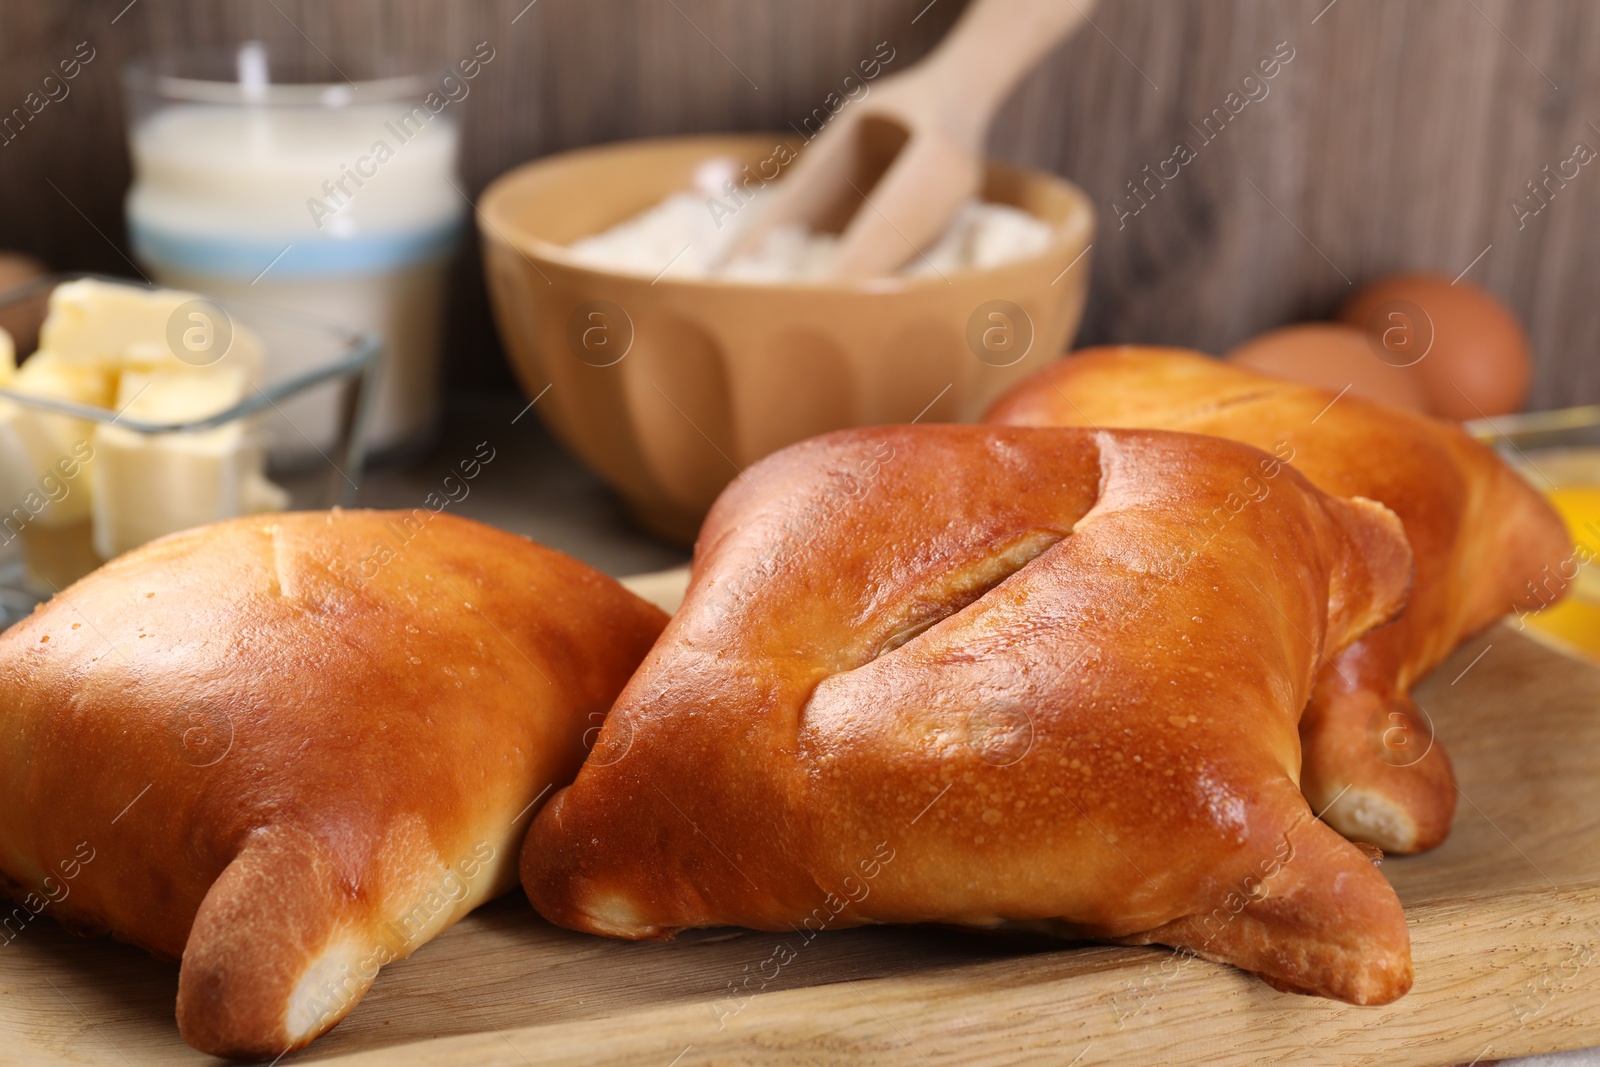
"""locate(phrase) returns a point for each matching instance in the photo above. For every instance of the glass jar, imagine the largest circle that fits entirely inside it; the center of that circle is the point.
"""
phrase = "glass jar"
(283, 183)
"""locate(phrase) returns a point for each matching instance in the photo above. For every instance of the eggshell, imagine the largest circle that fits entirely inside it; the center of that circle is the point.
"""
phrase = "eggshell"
(16, 268)
(1467, 348)
(21, 318)
(1333, 356)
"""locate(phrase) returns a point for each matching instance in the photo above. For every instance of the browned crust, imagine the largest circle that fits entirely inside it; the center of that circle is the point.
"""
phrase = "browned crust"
(286, 734)
(1480, 536)
(1098, 728)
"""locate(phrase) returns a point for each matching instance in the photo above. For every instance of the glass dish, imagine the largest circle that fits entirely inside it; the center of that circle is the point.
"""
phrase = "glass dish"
(1558, 452)
(327, 387)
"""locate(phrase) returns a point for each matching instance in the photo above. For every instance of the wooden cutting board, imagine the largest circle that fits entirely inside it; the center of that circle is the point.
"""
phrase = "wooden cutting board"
(1505, 925)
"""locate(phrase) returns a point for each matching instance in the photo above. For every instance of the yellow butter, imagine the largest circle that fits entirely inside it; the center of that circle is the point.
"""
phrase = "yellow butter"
(48, 373)
(148, 485)
(44, 457)
(94, 322)
(116, 326)
(44, 464)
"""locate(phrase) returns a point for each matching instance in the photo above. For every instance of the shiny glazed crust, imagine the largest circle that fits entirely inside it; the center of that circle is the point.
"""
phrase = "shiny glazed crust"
(993, 676)
(296, 747)
(1480, 534)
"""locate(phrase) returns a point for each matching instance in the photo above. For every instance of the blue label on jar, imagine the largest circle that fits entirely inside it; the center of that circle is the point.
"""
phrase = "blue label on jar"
(301, 257)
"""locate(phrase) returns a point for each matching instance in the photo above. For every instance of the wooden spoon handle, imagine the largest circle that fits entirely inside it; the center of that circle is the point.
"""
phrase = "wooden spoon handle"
(993, 45)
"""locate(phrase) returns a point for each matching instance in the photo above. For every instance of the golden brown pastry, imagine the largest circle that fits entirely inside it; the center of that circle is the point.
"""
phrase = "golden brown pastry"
(289, 749)
(1479, 533)
(985, 675)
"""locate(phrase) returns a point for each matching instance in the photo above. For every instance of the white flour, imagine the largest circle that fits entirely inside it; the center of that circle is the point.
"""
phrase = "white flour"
(680, 238)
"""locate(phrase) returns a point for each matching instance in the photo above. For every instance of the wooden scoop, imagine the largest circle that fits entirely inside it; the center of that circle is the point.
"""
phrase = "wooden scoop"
(892, 170)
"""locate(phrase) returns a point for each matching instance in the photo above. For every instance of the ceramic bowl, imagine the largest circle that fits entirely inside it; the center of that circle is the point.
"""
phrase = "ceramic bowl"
(668, 388)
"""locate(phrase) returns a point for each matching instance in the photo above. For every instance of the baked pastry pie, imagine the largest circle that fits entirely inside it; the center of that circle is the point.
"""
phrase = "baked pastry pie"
(1485, 543)
(296, 747)
(987, 676)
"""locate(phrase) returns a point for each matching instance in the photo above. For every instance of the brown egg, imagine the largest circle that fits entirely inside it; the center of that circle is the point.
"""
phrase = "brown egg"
(20, 318)
(1333, 356)
(1466, 347)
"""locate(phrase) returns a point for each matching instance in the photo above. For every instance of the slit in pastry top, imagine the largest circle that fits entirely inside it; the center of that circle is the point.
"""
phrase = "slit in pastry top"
(963, 585)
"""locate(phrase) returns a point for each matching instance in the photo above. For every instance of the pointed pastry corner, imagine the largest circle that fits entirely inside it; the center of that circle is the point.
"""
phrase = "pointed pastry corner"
(561, 886)
(272, 962)
(1374, 769)
(1371, 581)
(1323, 923)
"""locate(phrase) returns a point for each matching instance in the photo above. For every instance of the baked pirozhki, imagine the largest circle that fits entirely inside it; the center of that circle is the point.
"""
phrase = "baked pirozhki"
(986, 676)
(1485, 544)
(297, 747)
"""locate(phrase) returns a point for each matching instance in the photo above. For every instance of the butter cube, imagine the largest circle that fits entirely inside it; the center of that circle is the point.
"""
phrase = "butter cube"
(243, 353)
(149, 485)
(48, 373)
(44, 457)
(94, 322)
(152, 358)
(43, 471)
(168, 396)
(112, 325)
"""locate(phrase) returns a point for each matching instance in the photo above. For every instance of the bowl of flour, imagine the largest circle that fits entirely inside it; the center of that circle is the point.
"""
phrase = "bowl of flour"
(671, 365)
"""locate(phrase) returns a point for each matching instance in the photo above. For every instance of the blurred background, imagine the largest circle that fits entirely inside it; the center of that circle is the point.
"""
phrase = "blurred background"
(1399, 136)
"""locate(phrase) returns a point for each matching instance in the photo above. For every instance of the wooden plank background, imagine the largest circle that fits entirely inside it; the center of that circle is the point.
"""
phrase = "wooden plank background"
(1395, 138)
